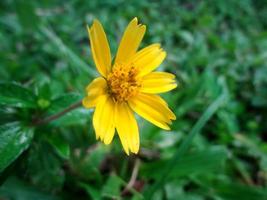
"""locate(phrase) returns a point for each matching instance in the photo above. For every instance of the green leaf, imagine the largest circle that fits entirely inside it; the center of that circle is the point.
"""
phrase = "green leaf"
(44, 168)
(26, 14)
(18, 190)
(87, 165)
(62, 102)
(14, 139)
(94, 193)
(174, 190)
(60, 145)
(209, 112)
(12, 94)
(77, 116)
(112, 187)
(233, 191)
(7, 115)
(205, 161)
(193, 163)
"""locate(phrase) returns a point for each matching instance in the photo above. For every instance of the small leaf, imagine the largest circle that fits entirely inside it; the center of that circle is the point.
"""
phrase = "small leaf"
(77, 116)
(112, 187)
(60, 145)
(43, 103)
(12, 94)
(14, 139)
(94, 193)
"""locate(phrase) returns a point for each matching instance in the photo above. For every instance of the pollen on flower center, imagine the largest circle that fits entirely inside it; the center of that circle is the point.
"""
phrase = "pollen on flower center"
(122, 82)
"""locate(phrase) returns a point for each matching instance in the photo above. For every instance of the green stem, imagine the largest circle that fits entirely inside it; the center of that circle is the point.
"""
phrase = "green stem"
(57, 115)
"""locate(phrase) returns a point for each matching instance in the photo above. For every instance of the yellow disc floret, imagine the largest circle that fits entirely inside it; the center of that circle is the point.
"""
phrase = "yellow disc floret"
(122, 82)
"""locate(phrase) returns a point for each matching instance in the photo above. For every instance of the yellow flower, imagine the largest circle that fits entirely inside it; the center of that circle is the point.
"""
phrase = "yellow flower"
(127, 86)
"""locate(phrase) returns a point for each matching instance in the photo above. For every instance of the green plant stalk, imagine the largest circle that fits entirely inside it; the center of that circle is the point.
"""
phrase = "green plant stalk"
(58, 115)
(186, 144)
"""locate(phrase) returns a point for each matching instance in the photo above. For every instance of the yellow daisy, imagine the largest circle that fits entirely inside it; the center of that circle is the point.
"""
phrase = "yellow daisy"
(126, 86)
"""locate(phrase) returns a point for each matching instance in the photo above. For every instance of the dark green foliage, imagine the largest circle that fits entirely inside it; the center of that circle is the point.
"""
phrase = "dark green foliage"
(14, 139)
(15, 95)
(217, 146)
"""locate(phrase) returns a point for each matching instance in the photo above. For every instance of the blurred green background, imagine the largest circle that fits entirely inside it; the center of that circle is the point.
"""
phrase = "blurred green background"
(217, 148)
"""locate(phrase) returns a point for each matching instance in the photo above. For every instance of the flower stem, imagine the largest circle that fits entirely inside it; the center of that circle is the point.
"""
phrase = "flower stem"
(57, 115)
(133, 178)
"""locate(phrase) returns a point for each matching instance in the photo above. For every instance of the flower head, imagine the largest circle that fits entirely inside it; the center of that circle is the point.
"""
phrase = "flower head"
(127, 86)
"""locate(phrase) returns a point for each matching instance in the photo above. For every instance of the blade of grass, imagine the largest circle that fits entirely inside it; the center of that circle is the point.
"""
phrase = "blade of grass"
(73, 58)
(210, 111)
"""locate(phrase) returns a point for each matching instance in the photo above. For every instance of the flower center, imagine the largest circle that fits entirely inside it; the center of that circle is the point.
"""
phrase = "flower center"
(123, 83)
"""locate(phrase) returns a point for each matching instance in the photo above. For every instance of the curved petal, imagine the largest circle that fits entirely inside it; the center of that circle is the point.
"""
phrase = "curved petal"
(158, 82)
(153, 108)
(148, 59)
(94, 90)
(100, 48)
(130, 41)
(127, 128)
(103, 119)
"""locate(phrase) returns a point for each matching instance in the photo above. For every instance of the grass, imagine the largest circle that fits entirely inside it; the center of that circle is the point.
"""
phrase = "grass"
(217, 146)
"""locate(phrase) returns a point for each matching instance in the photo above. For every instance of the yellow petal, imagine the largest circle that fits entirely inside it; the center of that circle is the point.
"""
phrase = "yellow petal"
(130, 41)
(153, 108)
(148, 59)
(158, 82)
(103, 119)
(100, 48)
(94, 90)
(127, 128)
